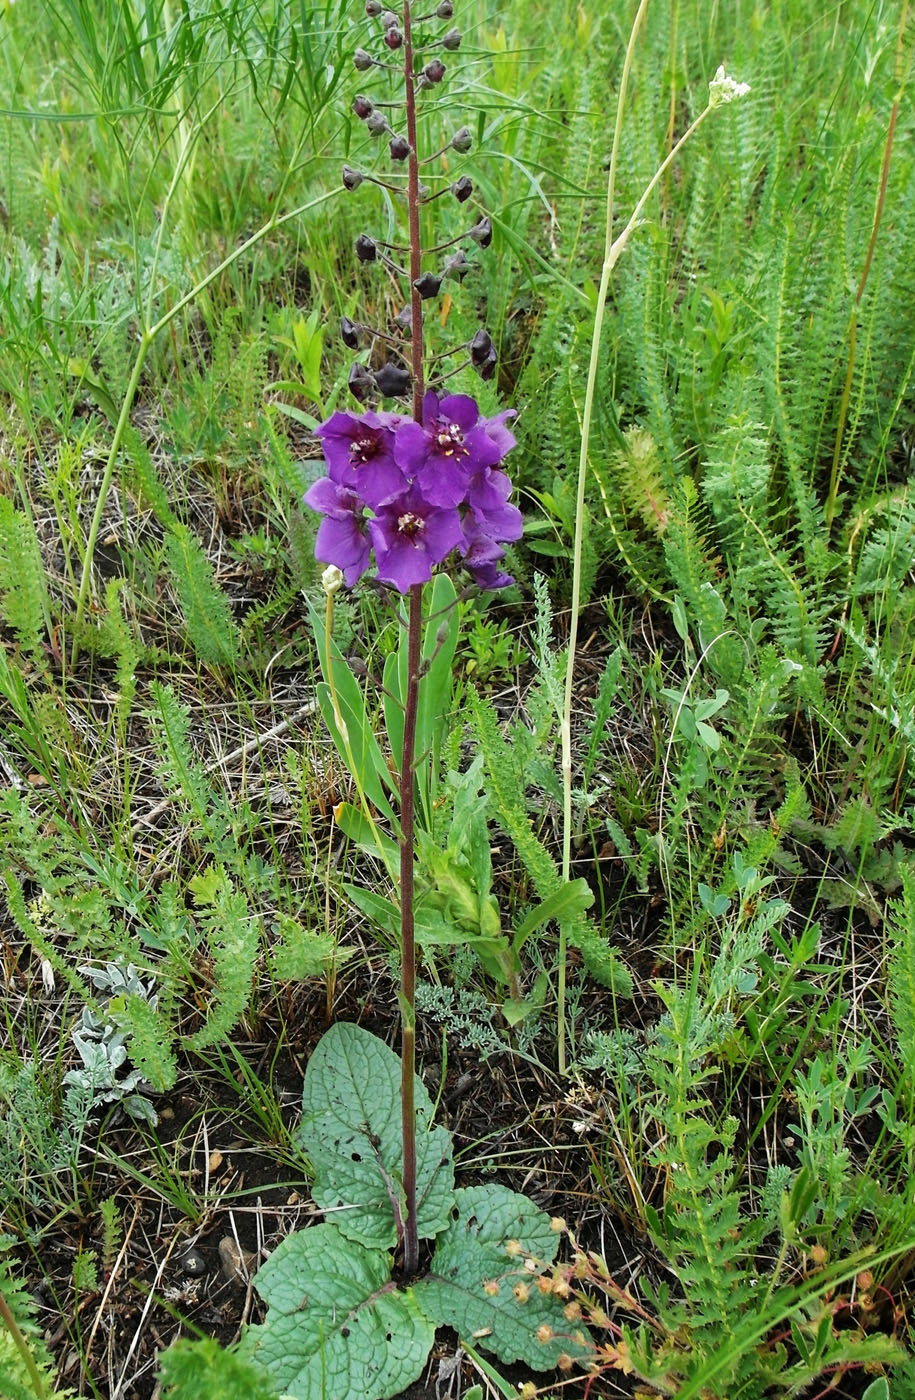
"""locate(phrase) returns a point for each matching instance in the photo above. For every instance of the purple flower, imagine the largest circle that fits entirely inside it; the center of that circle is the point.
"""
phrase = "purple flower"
(359, 448)
(447, 449)
(482, 555)
(343, 533)
(496, 429)
(411, 534)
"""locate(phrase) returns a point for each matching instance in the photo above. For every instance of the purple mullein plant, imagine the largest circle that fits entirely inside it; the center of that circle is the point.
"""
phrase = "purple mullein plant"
(413, 490)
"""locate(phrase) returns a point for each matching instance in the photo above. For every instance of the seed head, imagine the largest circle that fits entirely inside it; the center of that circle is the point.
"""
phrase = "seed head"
(435, 70)
(360, 381)
(392, 380)
(564, 1362)
(462, 140)
(452, 40)
(521, 1292)
(366, 248)
(513, 1248)
(362, 107)
(393, 38)
(362, 60)
(428, 285)
(349, 334)
(544, 1332)
(462, 189)
(399, 147)
(352, 179)
(481, 232)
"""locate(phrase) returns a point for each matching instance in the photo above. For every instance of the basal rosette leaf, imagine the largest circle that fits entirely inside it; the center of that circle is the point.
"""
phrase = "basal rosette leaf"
(351, 1132)
(482, 1286)
(338, 1328)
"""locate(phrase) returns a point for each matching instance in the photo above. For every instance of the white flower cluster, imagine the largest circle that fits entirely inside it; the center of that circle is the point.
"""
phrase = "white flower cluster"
(724, 89)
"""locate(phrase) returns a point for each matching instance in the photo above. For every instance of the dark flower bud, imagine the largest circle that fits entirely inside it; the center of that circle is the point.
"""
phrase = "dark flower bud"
(444, 10)
(452, 40)
(422, 82)
(362, 60)
(404, 319)
(481, 232)
(428, 285)
(349, 333)
(360, 382)
(362, 107)
(462, 189)
(389, 19)
(399, 147)
(377, 123)
(352, 179)
(373, 8)
(435, 70)
(392, 380)
(457, 266)
(480, 347)
(488, 368)
(393, 38)
(462, 140)
(366, 248)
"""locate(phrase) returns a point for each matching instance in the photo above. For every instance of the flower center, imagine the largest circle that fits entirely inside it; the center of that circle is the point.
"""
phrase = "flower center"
(450, 440)
(410, 525)
(364, 449)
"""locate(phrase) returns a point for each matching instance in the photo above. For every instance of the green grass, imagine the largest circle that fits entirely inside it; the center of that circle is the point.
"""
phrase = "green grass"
(746, 1118)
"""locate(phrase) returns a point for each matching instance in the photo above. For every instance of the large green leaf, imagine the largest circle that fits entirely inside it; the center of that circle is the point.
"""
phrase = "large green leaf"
(480, 1284)
(337, 1328)
(351, 1131)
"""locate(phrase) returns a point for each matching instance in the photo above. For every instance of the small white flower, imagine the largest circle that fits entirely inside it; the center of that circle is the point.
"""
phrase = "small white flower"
(331, 580)
(724, 89)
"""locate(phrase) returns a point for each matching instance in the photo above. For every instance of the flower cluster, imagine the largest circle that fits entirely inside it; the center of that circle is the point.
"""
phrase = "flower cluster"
(413, 492)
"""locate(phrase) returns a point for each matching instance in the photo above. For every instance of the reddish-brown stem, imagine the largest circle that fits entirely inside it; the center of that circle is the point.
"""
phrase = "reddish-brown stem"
(411, 699)
(407, 940)
(416, 306)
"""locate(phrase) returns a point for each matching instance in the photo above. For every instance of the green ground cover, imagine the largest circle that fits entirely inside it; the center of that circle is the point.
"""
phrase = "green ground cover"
(730, 1138)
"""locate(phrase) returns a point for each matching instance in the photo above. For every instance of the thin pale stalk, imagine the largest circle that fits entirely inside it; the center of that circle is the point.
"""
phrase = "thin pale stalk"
(24, 1350)
(565, 723)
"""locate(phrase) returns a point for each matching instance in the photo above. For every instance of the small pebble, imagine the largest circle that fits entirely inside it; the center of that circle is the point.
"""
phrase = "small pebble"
(193, 1263)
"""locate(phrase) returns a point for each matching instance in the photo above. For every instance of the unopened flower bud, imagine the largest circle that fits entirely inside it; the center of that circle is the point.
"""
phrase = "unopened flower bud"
(373, 8)
(360, 381)
(362, 60)
(456, 266)
(435, 70)
(331, 580)
(452, 40)
(462, 188)
(392, 380)
(723, 89)
(422, 82)
(362, 107)
(428, 285)
(399, 147)
(393, 38)
(444, 10)
(462, 140)
(349, 333)
(480, 347)
(352, 179)
(487, 369)
(389, 20)
(404, 319)
(377, 123)
(366, 248)
(481, 232)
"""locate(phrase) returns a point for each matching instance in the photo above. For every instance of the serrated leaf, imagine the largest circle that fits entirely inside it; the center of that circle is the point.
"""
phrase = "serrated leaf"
(472, 1283)
(337, 1328)
(351, 1131)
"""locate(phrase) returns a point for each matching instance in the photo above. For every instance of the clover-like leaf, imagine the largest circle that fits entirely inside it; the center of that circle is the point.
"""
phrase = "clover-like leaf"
(338, 1328)
(351, 1130)
(483, 1280)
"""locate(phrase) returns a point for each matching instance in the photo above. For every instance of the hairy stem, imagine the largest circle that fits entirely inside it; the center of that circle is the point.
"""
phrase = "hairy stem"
(411, 699)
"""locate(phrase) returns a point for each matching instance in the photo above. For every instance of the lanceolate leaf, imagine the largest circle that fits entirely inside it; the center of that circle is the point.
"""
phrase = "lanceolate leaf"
(351, 1131)
(480, 1285)
(337, 1328)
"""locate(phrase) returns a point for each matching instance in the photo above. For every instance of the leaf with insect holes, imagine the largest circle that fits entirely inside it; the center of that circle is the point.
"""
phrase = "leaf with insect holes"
(481, 1285)
(351, 1131)
(337, 1328)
